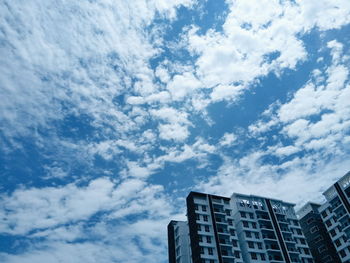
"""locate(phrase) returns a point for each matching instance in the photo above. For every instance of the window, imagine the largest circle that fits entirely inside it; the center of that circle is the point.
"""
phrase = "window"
(302, 241)
(324, 214)
(251, 215)
(337, 243)
(208, 239)
(210, 251)
(248, 234)
(327, 259)
(229, 222)
(257, 236)
(262, 257)
(199, 227)
(204, 208)
(205, 218)
(237, 254)
(197, 217)
(195, 207)
(254, 225)
(201, 249)
(245, 224)
(318, 238)
(250, 244)
(314, 229)
(259, 245)
(328, 223)
(206, 228)
(342, 253)
(176, 231)
(332, 232)
(234, 243)
(253, 255)
(243, 214)
(322, 248)
(200, 238)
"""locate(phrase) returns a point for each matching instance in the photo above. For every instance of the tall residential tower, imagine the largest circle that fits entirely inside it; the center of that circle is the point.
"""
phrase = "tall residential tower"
(240, 229)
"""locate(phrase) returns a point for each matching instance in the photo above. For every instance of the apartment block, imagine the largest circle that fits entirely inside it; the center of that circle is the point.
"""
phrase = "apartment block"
(335, 214)
(212, 229)
(240, 229)
(320, 243)
(268, 230)
(178, 242)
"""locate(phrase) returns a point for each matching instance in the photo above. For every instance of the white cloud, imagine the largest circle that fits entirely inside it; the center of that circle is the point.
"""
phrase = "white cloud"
(40, 208)
(285, 151)
(250, 175)
(226, 92)
(183, 85)
(228, 139)
(173, 131)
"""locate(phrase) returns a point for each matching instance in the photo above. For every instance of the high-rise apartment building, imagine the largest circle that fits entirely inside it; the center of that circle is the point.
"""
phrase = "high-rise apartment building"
(240, 229)
(212, 229)
(335, 214)
(320, 243)
(178, 242)
(268, 230)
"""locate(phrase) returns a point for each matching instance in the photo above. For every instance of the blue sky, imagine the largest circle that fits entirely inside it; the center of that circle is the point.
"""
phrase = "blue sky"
(112, 111)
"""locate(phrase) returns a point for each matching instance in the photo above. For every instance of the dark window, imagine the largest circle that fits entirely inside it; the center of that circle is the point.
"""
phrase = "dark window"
(327, 259)
(248, 234)
(195, 207)
(197, 217)
(337, 243)
(237, 254)
(253, 255)
(245, 224)
(318, 238)
(342, 253)
(332, 232)
(234, 243)
(257, 236)
(199, 227)
(324, 214)
(259, 245)
(207, 229)
(243, 214)
(208, 239)
(262, 257)
(254, 225)
(210, 251)
(250, 244)
(322, 248)
(205, 218)
(314, 229)
(251, 215)
(204, 208)
(201, 250)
